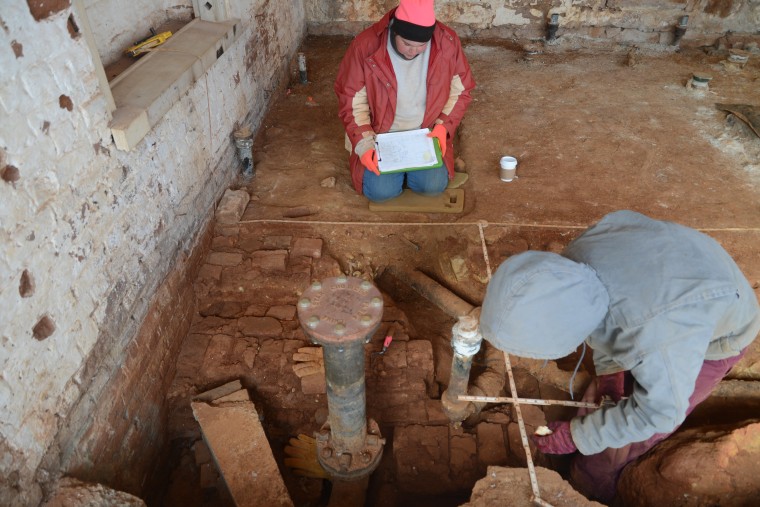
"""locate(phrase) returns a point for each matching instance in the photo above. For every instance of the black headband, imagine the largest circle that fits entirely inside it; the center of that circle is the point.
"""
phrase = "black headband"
(412, 32)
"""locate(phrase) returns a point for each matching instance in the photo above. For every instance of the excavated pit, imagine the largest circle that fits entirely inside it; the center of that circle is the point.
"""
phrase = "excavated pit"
(593, 133)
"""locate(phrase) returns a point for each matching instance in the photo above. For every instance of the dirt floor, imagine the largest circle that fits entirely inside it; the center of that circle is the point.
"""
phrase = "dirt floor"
(594, 130)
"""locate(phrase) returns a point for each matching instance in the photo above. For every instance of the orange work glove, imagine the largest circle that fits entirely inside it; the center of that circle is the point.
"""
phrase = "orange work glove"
(369, 159)
(439, 132)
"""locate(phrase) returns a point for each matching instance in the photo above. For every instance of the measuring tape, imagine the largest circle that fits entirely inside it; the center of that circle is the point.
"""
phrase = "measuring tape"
(527, 401)
(524, 437)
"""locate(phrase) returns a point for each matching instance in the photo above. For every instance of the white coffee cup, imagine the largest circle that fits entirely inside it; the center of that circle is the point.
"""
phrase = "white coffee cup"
(508, 168)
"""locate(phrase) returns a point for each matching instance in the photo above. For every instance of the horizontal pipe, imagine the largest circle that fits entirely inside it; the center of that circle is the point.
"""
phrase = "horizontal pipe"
(443, 298)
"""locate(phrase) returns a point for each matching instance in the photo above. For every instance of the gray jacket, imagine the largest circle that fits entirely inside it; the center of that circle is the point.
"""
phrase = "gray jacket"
(673, 298)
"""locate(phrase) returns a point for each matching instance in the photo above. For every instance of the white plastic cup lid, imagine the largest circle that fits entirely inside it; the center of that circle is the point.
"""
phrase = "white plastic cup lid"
(508, 162)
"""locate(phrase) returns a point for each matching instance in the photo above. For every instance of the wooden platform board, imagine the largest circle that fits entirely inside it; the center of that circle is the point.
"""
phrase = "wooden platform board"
(450, 201)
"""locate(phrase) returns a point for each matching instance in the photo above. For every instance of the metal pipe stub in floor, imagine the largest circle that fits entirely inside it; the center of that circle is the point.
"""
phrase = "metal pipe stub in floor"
(342, 314)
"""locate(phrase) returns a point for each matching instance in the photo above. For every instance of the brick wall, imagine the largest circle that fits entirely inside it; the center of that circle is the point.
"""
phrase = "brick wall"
(638, 22)
(88, 235)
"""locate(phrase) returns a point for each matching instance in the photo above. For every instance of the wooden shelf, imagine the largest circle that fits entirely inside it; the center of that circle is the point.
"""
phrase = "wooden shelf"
(149, 88)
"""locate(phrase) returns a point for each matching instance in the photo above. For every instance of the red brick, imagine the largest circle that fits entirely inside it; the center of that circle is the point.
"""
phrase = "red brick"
(533, 416)
(282, 312)
(492, 448)
(225, 259)
(218, 351)
(277, 242)
(515, 444)
(421, 455)
(209, 271)
(274, 347)
(224, 309)
(270, 260)
(314, 384)
(260, 326)
(300, 265)
(308, 247)
(463, 459)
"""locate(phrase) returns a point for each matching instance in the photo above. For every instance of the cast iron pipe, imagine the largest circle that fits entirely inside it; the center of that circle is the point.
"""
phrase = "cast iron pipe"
(680, 30)
(451, 304)
(465, 342)
(341, 314)
(552, 26)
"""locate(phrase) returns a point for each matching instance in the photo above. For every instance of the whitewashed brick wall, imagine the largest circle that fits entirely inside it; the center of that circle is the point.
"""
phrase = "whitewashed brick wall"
(97, 228)
(622, 21)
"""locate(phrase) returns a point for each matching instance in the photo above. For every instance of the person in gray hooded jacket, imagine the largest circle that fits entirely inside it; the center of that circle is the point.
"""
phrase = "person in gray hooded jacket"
(657, 302)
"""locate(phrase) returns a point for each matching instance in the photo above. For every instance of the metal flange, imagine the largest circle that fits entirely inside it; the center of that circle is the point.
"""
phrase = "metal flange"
(350, 465)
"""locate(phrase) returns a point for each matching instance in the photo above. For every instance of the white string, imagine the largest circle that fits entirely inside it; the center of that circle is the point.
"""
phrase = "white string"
(481, 224)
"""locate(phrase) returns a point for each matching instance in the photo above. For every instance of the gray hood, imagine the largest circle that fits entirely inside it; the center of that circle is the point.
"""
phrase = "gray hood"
(542, 305)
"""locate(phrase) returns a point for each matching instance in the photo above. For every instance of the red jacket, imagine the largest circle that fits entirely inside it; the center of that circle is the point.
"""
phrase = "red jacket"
(366, 80)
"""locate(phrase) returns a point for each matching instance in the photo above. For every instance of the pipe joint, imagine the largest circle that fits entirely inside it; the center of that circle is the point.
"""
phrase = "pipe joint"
(466, 336)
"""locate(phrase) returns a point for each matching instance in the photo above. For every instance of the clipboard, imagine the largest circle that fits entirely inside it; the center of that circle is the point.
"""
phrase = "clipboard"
(406, 145)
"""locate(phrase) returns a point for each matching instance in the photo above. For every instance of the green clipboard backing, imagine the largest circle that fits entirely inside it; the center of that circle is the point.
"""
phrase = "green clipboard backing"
(438, 156)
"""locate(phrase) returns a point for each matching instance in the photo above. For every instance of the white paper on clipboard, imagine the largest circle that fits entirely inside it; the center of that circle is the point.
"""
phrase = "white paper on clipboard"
(406, 150)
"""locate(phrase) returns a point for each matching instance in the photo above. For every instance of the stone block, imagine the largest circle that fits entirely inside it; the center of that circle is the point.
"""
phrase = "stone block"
(218, 351)
(192, 353)
(419, 353)
(282, 312)
(325, 267)
(260, 326)
(273, 347)
(237, 396)
(210, 272)
(416, 413)
(226, 230)
(223, 243)
(463, 459)
(395, 356)
(249, 243)
(225, 259)
(219, 392)
(300, 264)
(201, 452)
(307, 247)
(270, 260)
(69, 491)
(249, 356)
(314, 384)
(421, 456)
(277, 242)
(208, 475)
(232, 206)
(516, 448)
(492, 448)
(224, 309)
(234, 433)
(435, 413)
(533, 416)
(395, 414)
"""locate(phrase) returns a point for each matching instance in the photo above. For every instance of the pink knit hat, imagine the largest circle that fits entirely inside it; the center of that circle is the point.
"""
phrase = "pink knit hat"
(417, 12)
(415, 20)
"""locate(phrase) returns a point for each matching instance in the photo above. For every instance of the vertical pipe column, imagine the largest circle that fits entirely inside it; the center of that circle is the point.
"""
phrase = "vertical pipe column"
(342, 314)
(465, 340)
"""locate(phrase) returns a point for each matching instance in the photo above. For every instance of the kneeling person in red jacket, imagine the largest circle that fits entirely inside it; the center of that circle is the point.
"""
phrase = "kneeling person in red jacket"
(405, 72)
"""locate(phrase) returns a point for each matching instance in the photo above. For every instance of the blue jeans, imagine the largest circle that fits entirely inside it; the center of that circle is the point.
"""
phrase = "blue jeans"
(387, 186)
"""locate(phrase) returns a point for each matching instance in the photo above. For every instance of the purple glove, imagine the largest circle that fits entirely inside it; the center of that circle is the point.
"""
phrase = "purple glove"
(559, 442)
(612, 386)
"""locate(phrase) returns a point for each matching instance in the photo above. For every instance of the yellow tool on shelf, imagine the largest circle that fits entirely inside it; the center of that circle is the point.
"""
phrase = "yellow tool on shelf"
(146, 45)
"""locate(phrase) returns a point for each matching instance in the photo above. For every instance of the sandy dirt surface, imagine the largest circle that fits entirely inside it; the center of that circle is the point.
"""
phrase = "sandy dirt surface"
(594, 130)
